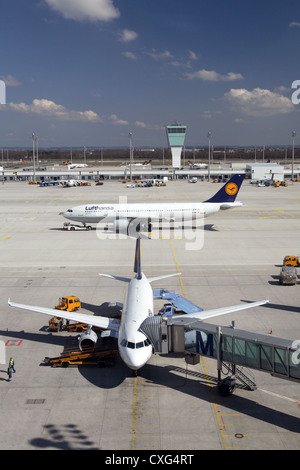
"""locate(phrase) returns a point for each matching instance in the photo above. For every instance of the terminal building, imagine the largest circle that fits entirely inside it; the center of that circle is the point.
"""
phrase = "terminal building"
(176, 135)
(262, 171)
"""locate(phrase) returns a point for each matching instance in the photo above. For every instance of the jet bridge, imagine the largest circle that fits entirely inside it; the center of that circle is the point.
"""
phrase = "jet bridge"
(228, 345)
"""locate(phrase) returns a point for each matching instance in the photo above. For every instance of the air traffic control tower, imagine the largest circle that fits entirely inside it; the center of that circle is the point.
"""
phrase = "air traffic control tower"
(176, 135)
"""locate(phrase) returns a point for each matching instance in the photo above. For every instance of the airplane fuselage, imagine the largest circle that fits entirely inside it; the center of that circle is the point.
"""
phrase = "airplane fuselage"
(134, 347)
(107, 213)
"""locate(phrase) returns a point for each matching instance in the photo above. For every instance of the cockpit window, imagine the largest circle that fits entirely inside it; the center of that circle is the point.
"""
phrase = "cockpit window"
(69, 210)
(130, 345)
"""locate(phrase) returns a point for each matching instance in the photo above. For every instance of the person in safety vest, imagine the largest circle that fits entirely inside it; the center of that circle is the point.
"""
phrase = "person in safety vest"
(11, 364)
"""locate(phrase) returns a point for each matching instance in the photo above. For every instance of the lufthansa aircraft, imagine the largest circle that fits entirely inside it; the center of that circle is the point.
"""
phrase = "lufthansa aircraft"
(122, 215)
(134, 346)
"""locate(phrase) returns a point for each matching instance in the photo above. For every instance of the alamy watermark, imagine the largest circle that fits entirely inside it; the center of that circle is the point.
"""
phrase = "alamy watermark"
(2, 92)
(296, 93)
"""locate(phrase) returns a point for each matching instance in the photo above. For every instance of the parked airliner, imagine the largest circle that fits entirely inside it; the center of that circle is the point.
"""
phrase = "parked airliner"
(121, 215)
(134, 346)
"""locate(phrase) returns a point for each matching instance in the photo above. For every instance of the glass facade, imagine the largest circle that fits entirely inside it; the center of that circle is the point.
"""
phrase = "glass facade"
(176, 135)
(272, 358)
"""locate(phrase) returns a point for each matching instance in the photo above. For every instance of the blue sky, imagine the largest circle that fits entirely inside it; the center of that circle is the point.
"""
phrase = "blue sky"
(88, 72)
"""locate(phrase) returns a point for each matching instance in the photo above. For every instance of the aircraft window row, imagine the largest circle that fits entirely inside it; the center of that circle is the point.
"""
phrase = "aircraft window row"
(130, 345)
(156, 210)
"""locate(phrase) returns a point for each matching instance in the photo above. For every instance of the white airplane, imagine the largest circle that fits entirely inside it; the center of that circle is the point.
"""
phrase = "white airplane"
(141, 215)
(76, 165)
(197, 165)
(134, 346)
(70, 182)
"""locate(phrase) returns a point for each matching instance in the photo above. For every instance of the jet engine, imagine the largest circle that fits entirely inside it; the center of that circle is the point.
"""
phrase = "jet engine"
(88, 339)
(121, 226)
(131, 227)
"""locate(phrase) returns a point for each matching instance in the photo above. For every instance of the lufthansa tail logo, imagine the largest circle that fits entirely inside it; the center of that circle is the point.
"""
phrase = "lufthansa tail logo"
(231, 189)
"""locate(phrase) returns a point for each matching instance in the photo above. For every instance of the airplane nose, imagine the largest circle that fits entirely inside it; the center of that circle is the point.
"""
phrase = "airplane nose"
(135, 359)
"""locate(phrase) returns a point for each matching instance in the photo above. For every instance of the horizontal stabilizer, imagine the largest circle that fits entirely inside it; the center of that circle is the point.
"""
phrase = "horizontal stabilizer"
(158, 278)
(118, 278)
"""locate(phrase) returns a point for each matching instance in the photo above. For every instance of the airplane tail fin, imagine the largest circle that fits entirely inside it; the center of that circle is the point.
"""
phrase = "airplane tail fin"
(229, 191)
(137, 259)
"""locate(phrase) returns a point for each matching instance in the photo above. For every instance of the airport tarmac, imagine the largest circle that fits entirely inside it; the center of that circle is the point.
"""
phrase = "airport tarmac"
(170, 405)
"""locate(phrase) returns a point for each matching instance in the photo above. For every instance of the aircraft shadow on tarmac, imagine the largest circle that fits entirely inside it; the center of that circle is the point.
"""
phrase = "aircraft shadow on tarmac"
(106, 309)
(167, 376)
(46, 337)
(63, 437)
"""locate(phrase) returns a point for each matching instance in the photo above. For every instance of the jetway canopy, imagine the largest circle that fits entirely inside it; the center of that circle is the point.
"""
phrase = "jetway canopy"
(277, 356)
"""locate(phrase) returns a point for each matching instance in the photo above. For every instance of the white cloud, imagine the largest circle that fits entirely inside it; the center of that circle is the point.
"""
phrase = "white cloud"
(212, 76)
(127, 35)
(161, 55)
(206, 114)
(144, 125)
(129, 55)
(85, 10)
(193, 55)
(10, 80)
(118, 121)
(259, 102)
(48, 108)
(141, 124)
(293, 23)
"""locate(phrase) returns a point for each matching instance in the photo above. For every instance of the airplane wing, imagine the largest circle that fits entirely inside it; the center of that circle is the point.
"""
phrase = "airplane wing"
(204, 315)
(102, 322)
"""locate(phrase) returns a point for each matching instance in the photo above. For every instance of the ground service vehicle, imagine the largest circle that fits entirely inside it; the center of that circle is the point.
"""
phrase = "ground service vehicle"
(291, 261)
(72, 227)
(288, 276)
(70, 303)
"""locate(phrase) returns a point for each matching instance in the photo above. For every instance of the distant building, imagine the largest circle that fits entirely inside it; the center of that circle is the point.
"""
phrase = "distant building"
(262, 171)
(176, 135)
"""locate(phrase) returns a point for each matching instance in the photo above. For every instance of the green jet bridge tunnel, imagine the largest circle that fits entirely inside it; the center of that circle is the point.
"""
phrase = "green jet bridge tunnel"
(231, 347)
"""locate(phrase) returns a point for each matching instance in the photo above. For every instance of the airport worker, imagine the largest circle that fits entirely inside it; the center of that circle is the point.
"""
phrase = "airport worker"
(12, 364)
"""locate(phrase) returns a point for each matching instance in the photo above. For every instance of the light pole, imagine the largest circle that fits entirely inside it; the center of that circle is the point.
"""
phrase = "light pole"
(37, 149)
(293, 153)
(33, 155)
(130, 153)
(209, 137)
